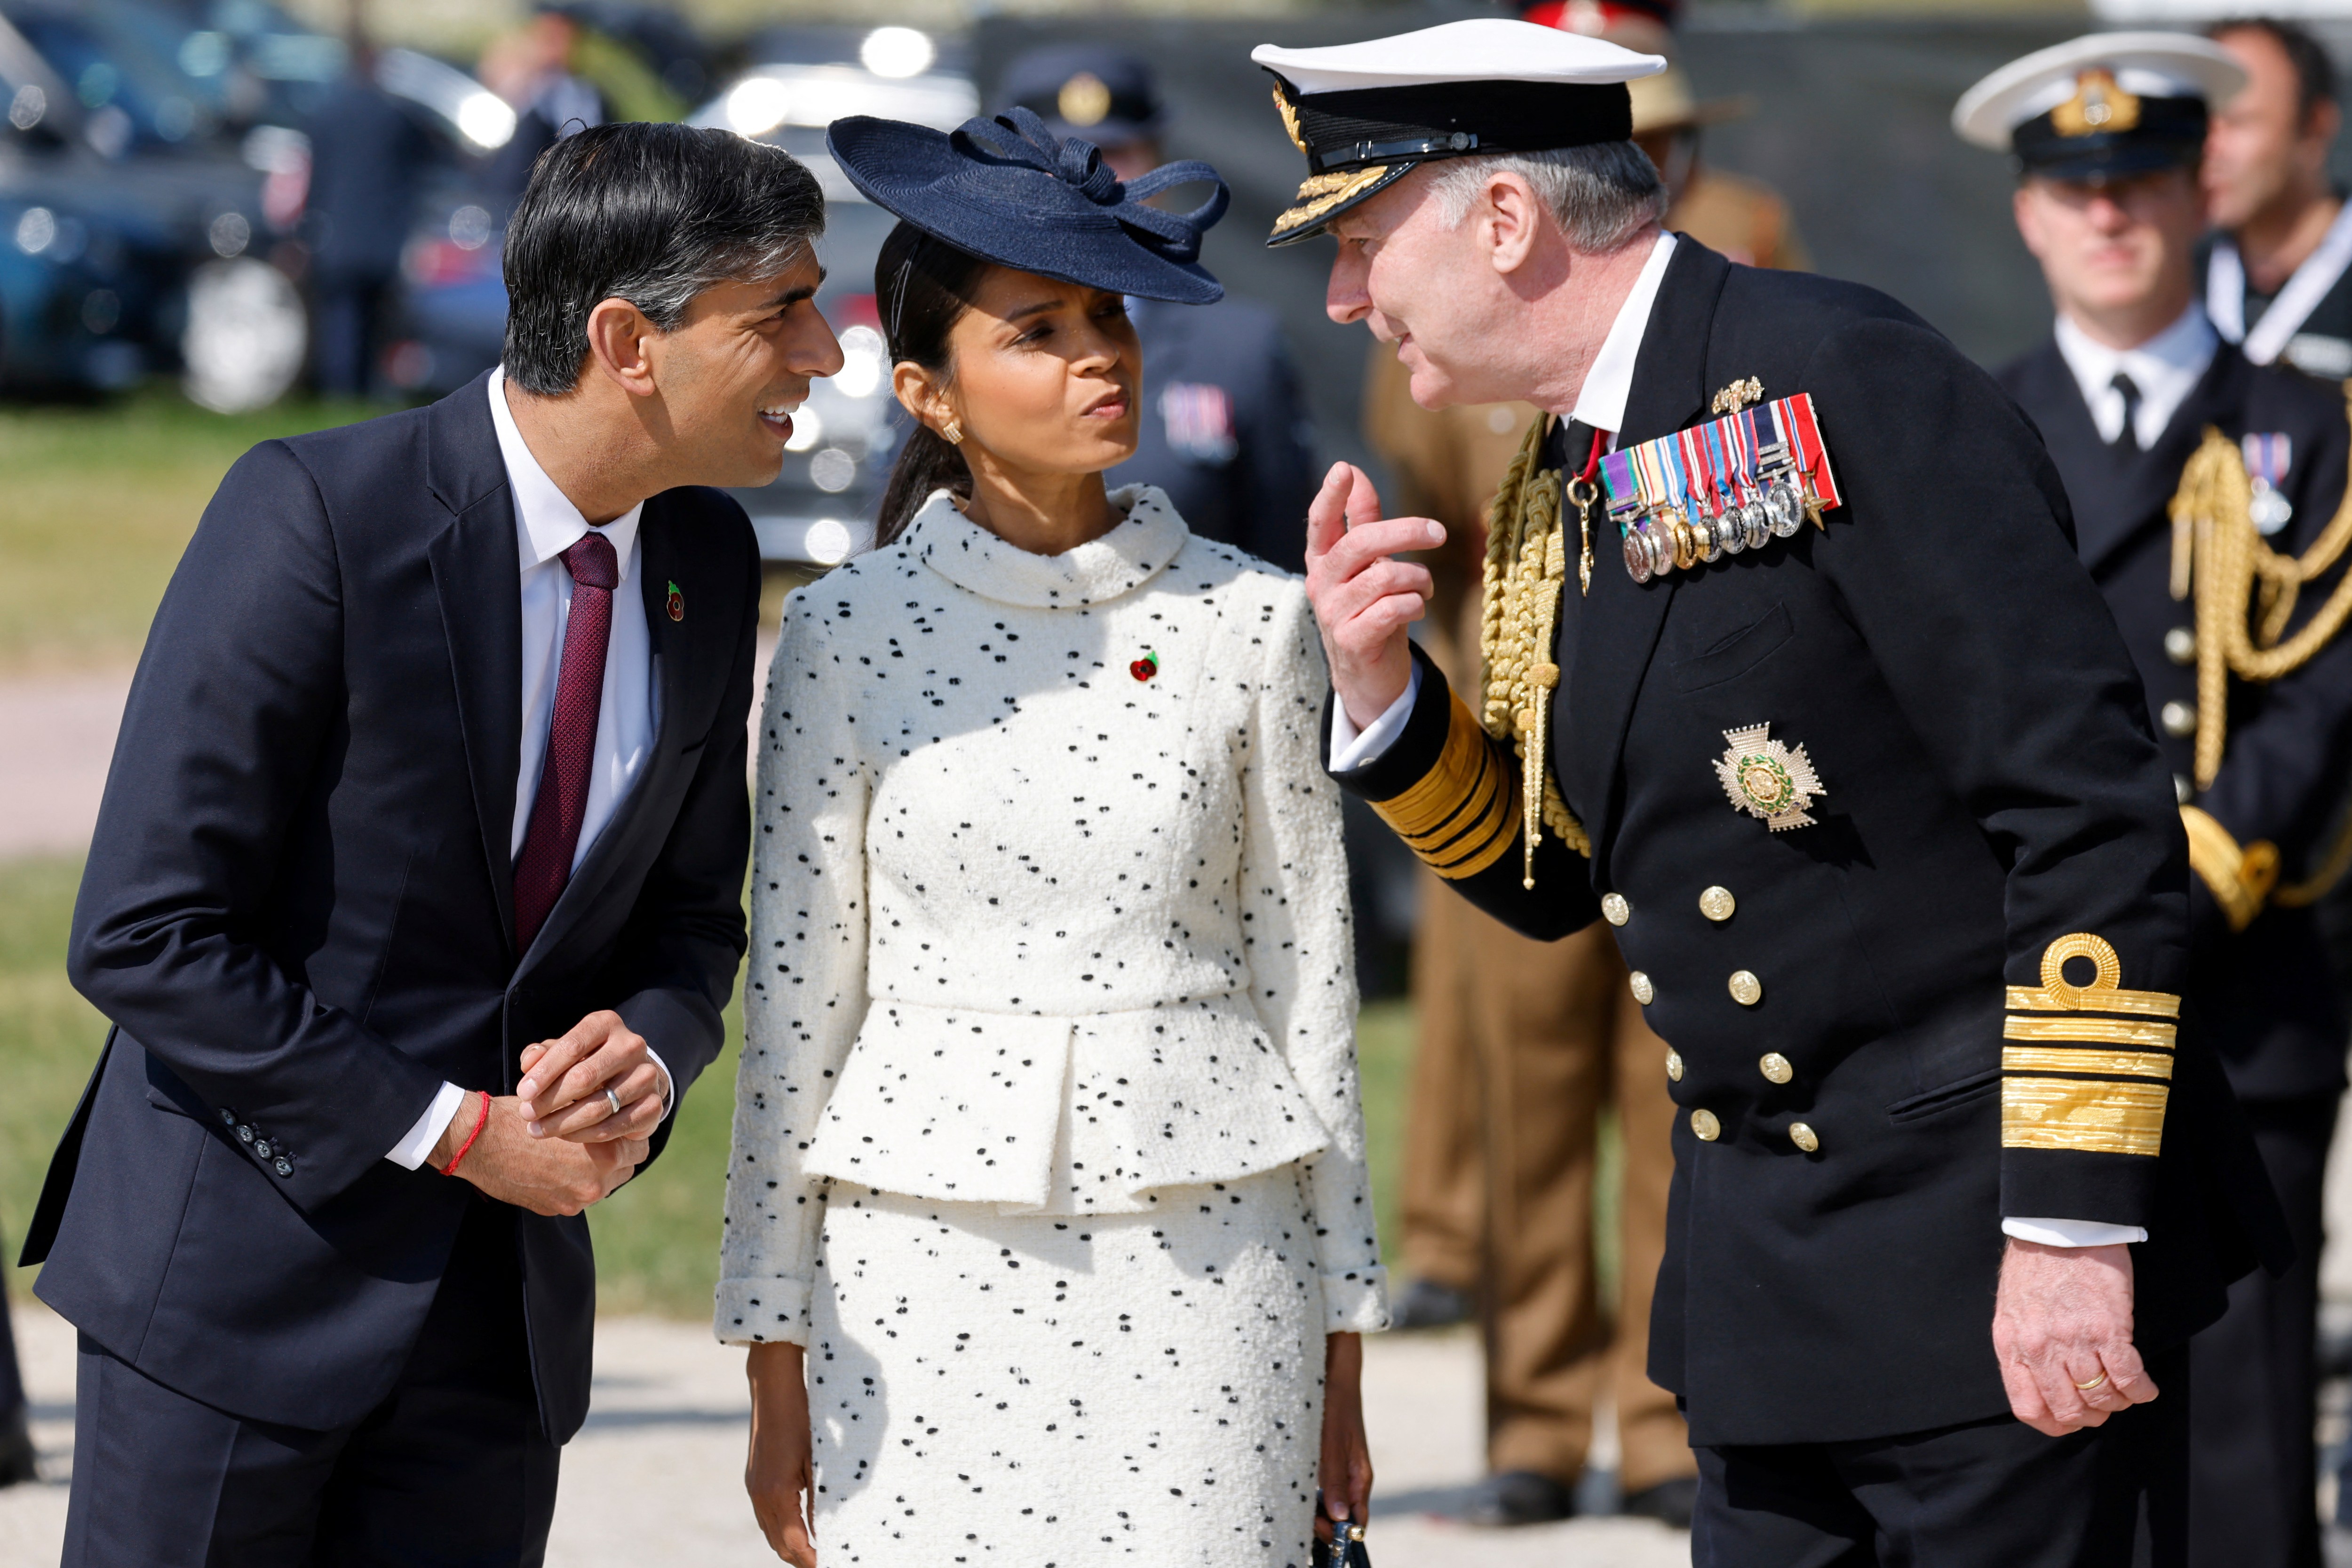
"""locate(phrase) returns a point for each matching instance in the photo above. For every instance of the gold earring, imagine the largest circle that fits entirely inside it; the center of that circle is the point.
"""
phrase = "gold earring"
(952, 432)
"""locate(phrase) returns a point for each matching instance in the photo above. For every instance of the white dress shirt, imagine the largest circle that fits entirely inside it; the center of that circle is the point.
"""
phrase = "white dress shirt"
(2166, 369)
(546, 525)
(1600, 404)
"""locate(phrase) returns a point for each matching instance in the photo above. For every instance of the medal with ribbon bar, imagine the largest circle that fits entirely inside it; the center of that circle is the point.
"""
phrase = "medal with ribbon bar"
(2267, 457)
(1721, 487)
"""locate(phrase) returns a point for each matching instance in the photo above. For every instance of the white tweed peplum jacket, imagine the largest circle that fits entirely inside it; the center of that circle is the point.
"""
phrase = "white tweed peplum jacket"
(1049, 909)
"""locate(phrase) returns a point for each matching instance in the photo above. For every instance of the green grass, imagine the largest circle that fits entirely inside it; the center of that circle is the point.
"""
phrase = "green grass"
(48, 1036)
(656, 1239)
(100, 502)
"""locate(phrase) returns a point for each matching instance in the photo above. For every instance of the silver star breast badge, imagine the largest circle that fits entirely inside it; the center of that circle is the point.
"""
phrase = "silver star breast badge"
(1768, 778)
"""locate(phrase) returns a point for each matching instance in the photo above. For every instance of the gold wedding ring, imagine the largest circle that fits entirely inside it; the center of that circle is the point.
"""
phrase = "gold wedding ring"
(2095, 1384)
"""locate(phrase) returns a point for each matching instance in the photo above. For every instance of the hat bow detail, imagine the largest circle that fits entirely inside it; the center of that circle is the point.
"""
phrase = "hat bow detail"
(1019, 137)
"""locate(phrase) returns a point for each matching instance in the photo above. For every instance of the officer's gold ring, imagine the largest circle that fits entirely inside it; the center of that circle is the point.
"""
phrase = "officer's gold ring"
(2096, 1383)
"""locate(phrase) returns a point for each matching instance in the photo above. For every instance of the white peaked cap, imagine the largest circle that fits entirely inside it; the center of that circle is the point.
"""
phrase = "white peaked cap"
(1488, 48)
(2153, 65)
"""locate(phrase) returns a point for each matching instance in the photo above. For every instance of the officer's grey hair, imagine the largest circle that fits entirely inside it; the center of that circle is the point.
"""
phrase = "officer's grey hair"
(1602, 194)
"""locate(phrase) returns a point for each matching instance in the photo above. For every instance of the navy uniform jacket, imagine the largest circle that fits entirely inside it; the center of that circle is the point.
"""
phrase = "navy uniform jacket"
(1223, 431)
(297, 914)
(2266, 994)
(1981, 807)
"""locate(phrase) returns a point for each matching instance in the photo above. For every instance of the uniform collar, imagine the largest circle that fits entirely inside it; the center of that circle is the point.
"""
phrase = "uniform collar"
(546, 522)
(1133, 553)
(1601, 403)
(2165, 368)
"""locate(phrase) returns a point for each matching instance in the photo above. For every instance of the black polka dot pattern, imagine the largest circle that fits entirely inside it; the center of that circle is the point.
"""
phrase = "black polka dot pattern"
(1051, 990)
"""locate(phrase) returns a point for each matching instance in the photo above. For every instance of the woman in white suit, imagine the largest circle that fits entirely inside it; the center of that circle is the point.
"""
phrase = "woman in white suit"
(1047, 1222)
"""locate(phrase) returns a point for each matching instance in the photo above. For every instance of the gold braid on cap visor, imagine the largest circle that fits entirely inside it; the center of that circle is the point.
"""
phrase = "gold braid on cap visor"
(1319, 195)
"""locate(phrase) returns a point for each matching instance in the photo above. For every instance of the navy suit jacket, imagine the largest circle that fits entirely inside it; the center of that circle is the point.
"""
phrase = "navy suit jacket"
(297, 914)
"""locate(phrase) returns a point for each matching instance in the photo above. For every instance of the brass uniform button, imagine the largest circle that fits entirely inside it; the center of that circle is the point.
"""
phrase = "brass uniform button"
(1704, 1124)
(2179, 719)
(1802, 1137)
(1746, 989)
(1776, 1066)
(1675, 1066)
(1643, 992)
(1717, 904)
(2181, 645)
(1616, 910)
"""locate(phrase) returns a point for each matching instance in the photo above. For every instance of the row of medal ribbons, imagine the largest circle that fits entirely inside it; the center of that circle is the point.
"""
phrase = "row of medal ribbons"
(1720, 488)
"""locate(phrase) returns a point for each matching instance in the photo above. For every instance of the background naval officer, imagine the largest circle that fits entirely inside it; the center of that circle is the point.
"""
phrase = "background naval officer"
(2275, 277)
(1225, 430)
(1910, 911)
(1522, 1047)
(2108, 132)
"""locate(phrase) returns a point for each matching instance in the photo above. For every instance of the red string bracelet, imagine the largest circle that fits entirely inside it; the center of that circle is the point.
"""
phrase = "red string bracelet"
(480, 1122)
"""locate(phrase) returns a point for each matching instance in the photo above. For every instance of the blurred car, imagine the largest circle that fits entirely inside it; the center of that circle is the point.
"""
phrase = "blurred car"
(134, 223)
(821, 509)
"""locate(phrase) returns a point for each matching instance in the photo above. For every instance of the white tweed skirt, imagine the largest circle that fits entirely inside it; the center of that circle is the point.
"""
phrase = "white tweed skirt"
(1050, 1391)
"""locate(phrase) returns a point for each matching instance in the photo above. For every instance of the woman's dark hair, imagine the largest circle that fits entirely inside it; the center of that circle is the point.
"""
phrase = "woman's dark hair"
(650, 214)
(923, 287)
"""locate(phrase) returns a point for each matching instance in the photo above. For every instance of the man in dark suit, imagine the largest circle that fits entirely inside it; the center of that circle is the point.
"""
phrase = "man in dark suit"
(1954, 1180)
(2132, 392)
(1226, 431)
(424, 846)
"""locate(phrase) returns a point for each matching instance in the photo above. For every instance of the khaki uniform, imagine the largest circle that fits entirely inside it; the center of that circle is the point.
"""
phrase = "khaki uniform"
(1522, 1044)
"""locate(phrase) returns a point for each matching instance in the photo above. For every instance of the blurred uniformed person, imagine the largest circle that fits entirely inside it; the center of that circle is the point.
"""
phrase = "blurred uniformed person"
(1225, 430)
(2195, 475)
(1520, 1045)
(16, 1455)
(2278, 277)
(1909, 909)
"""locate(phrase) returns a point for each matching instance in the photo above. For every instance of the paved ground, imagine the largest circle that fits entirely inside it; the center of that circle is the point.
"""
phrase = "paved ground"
(61, 730)
(667, 1428)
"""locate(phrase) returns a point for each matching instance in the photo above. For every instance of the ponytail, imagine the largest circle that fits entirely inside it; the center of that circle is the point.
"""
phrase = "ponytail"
(925, 463)
(923, 287)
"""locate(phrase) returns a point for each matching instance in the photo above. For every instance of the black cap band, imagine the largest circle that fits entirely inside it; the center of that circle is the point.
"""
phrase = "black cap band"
(1395, 125)
(2139, 134)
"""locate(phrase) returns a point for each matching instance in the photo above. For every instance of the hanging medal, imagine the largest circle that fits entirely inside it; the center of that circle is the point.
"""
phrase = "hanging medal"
(2267, 457)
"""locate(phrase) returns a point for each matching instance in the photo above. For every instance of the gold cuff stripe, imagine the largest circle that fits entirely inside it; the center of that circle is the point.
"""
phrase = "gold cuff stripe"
(2083, 1116)
(2146, 1003)
(2103, 1063)
(2239, 878)
(1457, 816)
(2097, 1031)
(2056, 994)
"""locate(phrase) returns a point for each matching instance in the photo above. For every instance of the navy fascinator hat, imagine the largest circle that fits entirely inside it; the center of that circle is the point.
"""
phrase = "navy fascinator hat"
(1010, 191)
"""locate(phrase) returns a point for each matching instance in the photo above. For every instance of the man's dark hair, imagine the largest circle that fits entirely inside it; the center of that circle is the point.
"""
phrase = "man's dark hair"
(650, 214)
(2314, 73)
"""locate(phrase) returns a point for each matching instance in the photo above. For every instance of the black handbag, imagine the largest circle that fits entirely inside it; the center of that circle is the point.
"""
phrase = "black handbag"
(1345, 1549)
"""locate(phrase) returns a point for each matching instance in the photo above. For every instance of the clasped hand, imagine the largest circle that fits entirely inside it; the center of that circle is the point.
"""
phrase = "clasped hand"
(2063, 1319)
(557, 1145)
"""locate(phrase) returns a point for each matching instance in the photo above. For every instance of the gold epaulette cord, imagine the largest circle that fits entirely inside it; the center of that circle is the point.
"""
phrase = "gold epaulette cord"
(2218, 554)
(1525, 574)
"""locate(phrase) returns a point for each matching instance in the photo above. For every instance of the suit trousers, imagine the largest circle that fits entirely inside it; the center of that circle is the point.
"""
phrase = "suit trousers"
(2252, 1460)
(1987, 1494)
(453, 1470)
(1522, 1045)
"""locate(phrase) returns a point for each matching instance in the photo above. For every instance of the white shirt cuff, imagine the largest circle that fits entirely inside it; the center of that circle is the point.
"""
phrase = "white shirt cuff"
(410, 1152)
(2072, 1232)
(1351, 749)
(669, 1084)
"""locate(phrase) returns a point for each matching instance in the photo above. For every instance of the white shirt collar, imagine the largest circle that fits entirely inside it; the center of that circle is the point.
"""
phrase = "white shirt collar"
(546, 522)
(2166, 369)
(1600, 404)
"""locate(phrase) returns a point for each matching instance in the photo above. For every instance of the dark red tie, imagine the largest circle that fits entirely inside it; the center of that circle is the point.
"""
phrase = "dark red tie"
(557, 811)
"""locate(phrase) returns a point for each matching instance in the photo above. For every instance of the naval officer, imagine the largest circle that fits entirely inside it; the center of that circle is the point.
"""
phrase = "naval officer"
(1910, 911)
(2134, 391)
